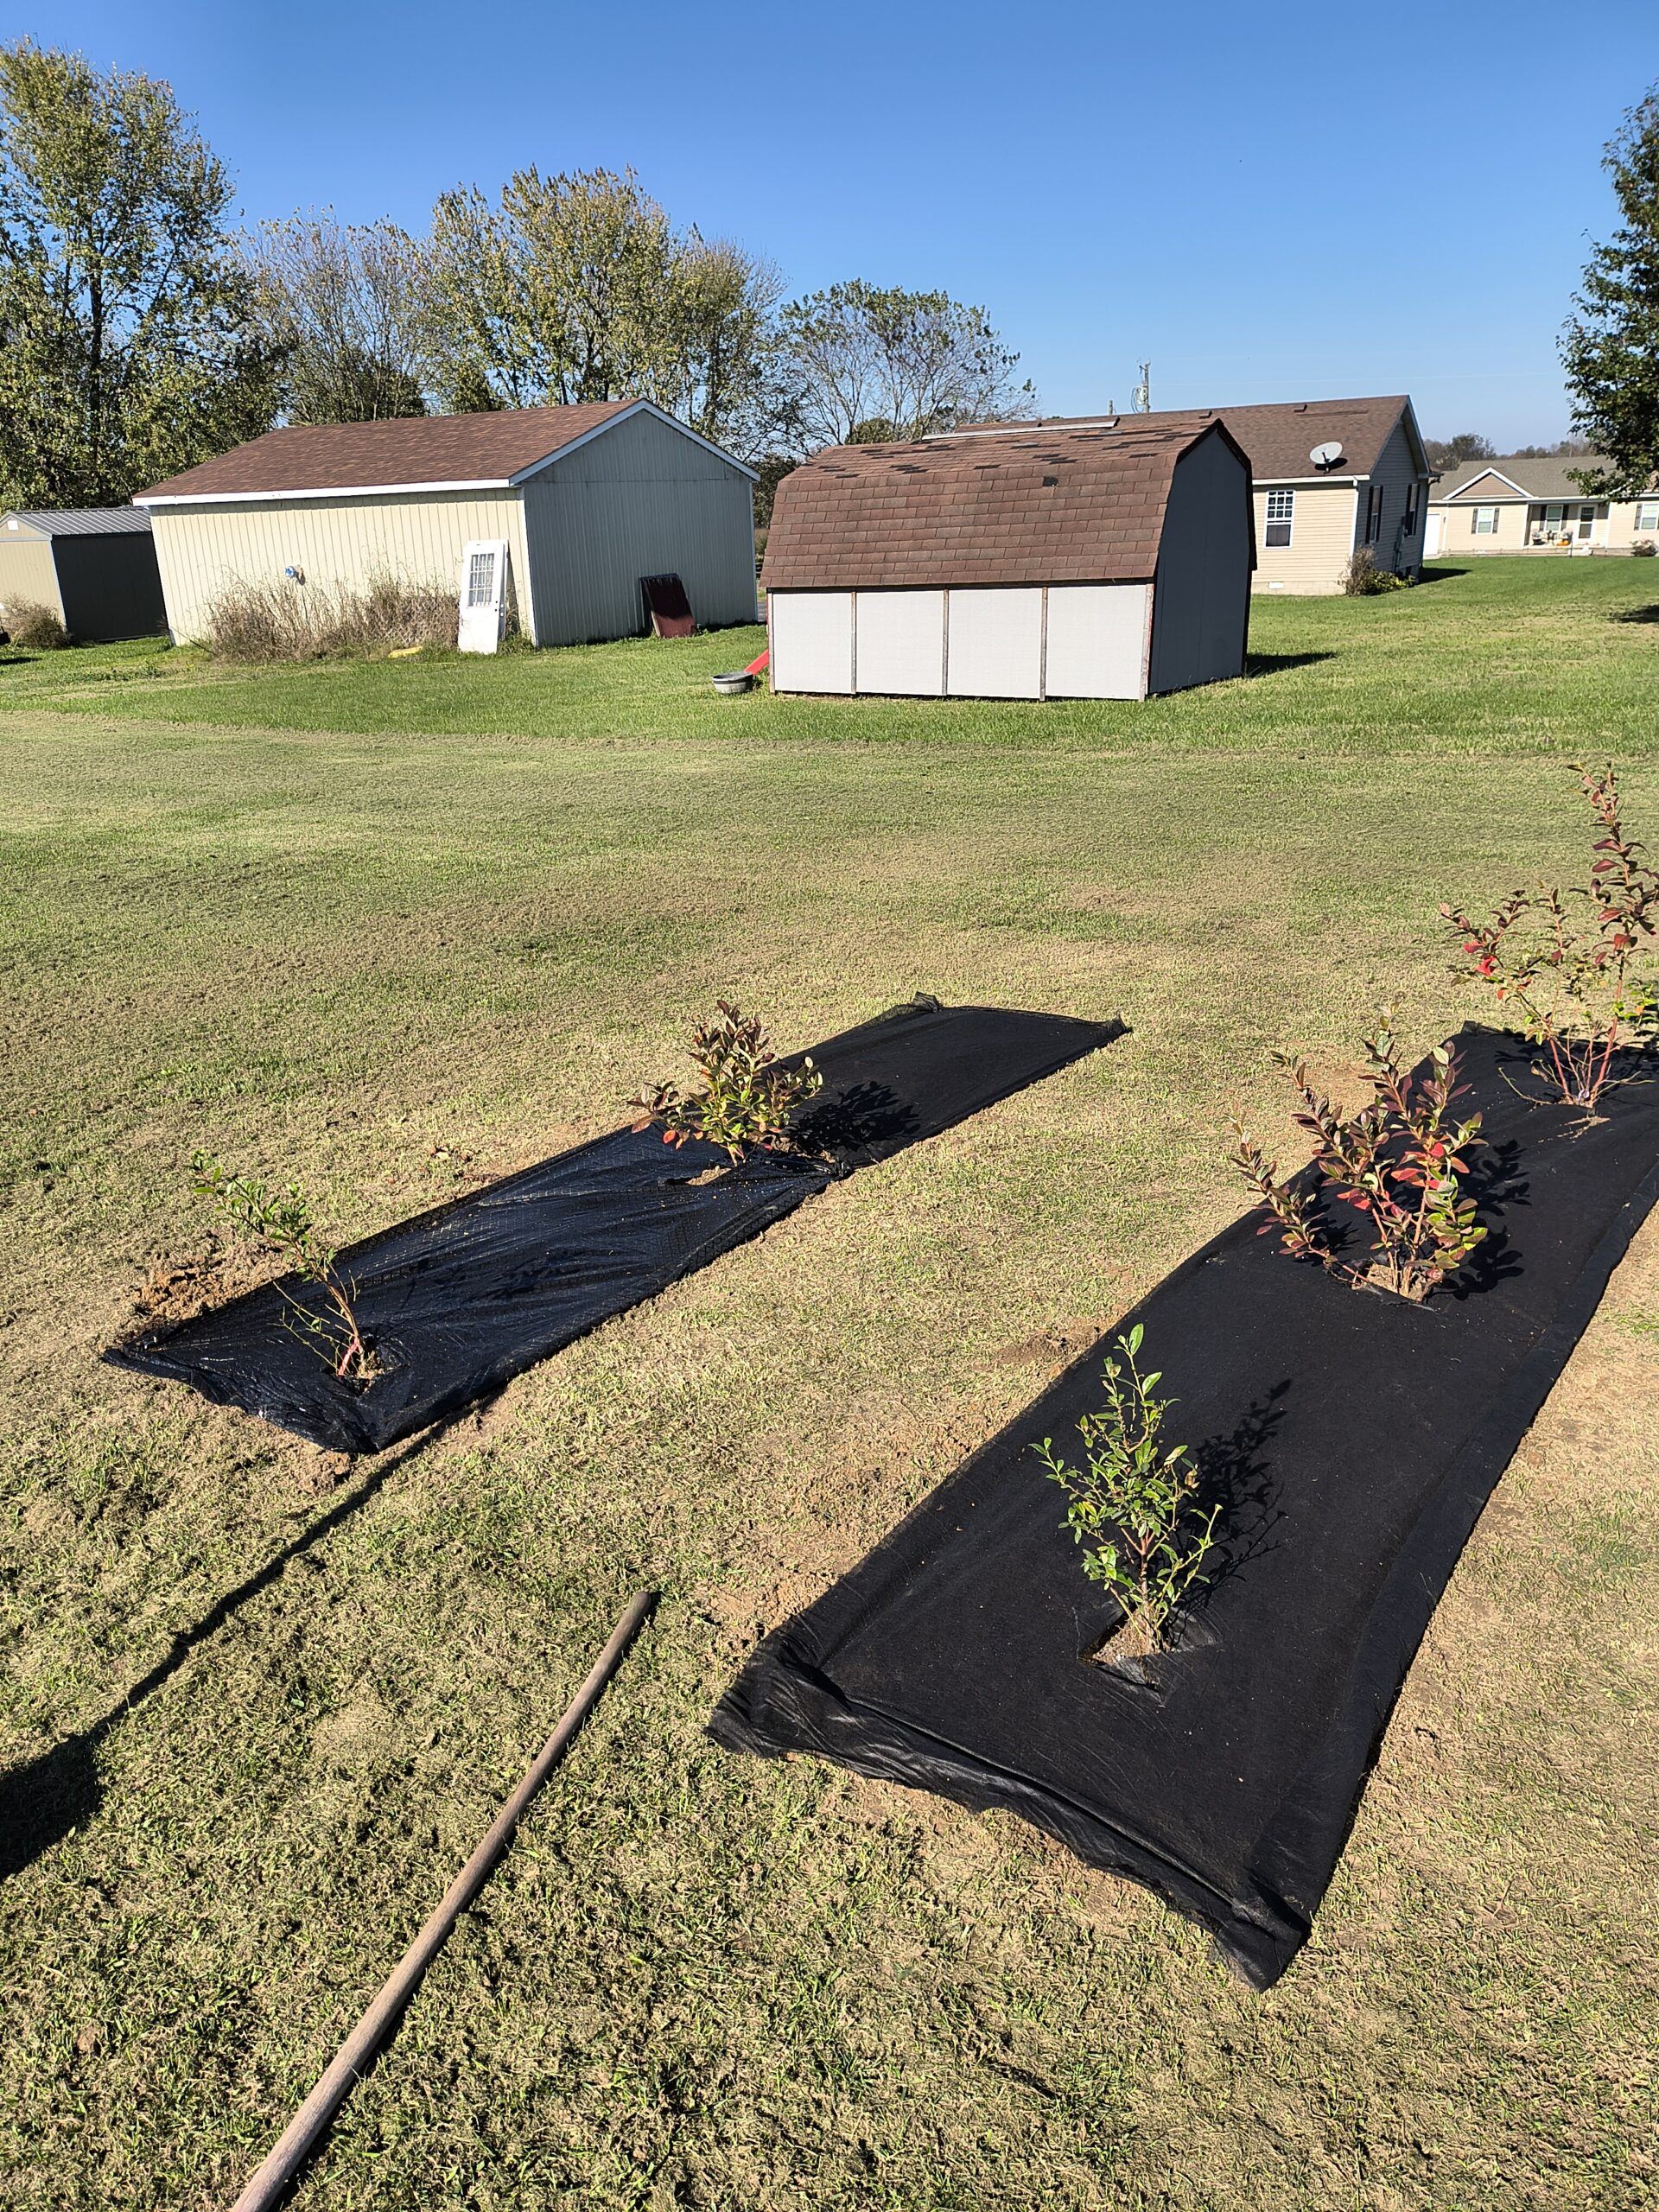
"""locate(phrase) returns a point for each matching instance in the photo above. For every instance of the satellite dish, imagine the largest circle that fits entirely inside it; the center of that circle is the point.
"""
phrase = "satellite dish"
(1327, 455)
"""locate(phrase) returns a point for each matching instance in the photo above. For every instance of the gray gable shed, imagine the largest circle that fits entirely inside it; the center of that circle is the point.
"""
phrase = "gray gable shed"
(588, 499)
(93, 567)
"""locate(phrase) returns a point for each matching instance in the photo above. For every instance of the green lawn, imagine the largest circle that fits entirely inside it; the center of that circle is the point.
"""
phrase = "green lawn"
(385, 928)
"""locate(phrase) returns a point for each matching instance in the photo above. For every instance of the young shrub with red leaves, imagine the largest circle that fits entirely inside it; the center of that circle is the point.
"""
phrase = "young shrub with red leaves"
(747, 1099)
(1566, 961)
(1397, 1160)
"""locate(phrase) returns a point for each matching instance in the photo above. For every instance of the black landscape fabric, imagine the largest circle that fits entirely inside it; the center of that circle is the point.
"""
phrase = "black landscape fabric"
(459, 1300)
(1352, 1439)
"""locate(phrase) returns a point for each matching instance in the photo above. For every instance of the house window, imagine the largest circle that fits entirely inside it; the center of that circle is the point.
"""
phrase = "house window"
(1282, 514)
(1586, 518)
(481, 581)
(1409, 525)
(1647, 514)
(1374, 515)
(1486, 522)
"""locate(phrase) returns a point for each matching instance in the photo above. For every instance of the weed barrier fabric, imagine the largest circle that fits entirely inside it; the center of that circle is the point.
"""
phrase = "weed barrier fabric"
(459, 1300)
(1350, 1439)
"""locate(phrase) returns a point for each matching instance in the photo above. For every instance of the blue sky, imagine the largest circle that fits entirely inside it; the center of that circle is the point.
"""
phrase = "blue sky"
(1271, 202)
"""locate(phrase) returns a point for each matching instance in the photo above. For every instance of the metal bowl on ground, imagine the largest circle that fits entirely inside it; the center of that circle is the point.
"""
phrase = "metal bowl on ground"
(735, 683)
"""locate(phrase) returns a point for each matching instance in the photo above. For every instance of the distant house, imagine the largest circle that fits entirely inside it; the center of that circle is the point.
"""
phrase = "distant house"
(94, 568)
(1522, 505)
(1073, 562)
(1368, 488)
(589, 501)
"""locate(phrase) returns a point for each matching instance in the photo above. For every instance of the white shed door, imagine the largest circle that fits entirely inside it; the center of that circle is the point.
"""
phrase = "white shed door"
(1096, 641)
(901, 642)
(996, 644)
(811, 640)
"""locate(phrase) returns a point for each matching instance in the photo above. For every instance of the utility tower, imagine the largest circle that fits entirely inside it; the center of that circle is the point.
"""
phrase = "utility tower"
(1143, 391)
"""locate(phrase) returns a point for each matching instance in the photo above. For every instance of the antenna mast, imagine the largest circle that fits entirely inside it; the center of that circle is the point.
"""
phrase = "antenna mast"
(1143, 391)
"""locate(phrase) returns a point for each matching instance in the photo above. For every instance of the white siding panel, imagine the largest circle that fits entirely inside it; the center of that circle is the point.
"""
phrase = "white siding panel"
(901, 642)
(1096, 641)
(811, 640)
(995, 649)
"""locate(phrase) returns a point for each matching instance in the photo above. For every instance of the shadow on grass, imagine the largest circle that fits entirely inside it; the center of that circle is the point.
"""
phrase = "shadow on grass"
(1439, 576)
(1276, 663)
(42, 1802)
(1636, 614)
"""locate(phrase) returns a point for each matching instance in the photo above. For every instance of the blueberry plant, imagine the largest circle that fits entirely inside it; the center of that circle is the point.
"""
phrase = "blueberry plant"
(1569, 963)
(747, 1099)
(1133, 1507)
(1397, 1162)
(278, 1224)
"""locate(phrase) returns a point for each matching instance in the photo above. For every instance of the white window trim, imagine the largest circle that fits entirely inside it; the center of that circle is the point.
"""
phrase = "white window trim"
(1490, 530)
(1286, 521)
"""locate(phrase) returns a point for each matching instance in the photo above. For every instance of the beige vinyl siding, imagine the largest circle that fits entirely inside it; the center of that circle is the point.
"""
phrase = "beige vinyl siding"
(1511, 535)
(28, 571)
(641, 500)
(416, 536)
(1321, 540)
(1395, 472)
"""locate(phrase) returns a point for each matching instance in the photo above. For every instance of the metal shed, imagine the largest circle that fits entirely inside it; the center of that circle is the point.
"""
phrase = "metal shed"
(588, 500)
(93, 567)
(1103, 561)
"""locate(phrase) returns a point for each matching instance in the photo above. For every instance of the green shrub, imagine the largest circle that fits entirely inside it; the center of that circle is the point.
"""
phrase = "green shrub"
(1362, 579)
(1133, 1506)
(36, 628)
(747, 1099)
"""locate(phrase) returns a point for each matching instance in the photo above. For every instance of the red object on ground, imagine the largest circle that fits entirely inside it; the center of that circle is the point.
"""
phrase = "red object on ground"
(757, 663)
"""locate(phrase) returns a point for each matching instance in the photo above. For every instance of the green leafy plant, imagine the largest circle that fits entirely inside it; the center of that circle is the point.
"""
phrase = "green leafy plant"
(279, 1224)
(1133, 1507)
(1397, 1160)
(748, 1098)
(1362, 579)
(1569, 962)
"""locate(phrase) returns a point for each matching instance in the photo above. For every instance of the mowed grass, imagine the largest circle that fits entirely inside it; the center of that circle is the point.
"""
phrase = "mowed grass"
(388, 929)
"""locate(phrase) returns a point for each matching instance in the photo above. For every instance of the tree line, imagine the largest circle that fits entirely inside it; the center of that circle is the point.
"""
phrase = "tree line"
(140, 333)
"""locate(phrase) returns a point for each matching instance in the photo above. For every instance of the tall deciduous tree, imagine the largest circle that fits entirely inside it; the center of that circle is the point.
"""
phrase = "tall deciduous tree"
(577, 288)
(1451, 453)
(1610, 346)
(125, 350)
(340, 302)
(864, 362)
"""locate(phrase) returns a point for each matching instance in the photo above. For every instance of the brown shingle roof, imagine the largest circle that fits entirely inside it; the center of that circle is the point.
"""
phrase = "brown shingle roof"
(1277, 439)
(1047, 505)
(412, 449)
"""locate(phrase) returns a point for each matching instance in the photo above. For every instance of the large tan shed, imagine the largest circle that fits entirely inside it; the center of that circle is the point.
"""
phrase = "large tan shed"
(1103, 561)
(94, 568)
(588, 500)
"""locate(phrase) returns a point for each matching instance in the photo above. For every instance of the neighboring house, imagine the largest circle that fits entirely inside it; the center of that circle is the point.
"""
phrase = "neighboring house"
(1018, 562)
(588, 500)
(1516, 505)
(93, 567)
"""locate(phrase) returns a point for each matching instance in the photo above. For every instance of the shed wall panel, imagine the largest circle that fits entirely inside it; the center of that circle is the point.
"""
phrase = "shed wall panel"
(111, 586)
(995, 647)
(901, 642)
(640, 500)
(1201, 593)
(811, 640)
(1096, 641)
(338, 543)
(28, 571)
